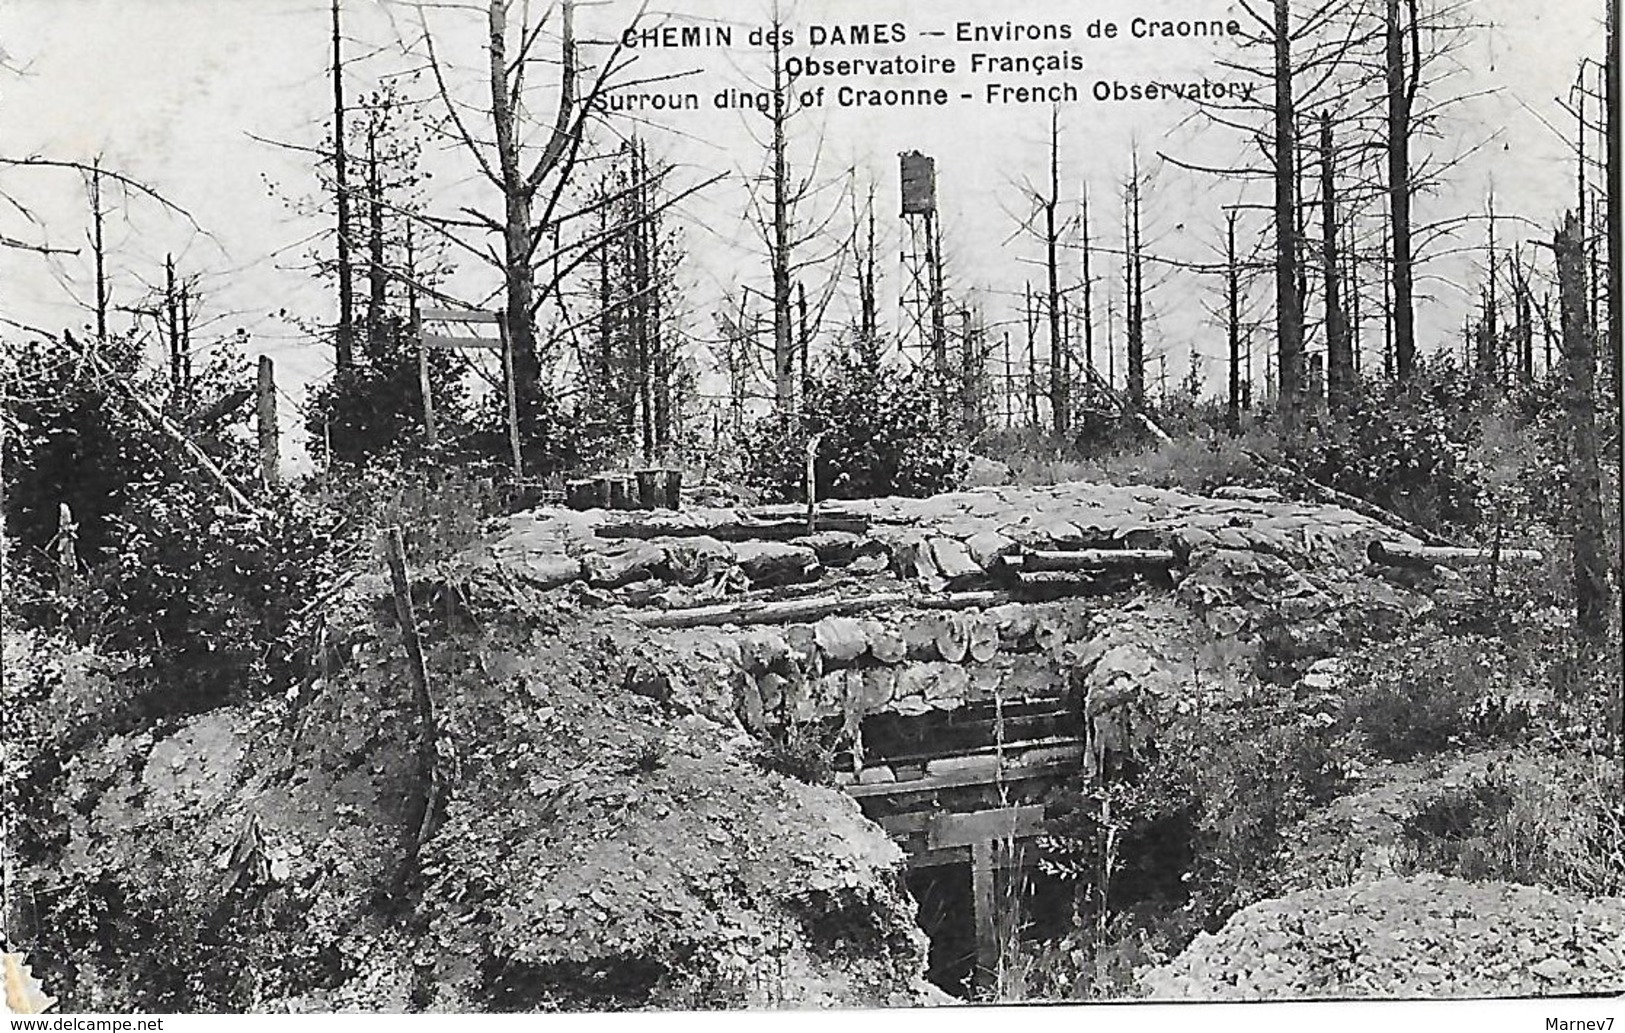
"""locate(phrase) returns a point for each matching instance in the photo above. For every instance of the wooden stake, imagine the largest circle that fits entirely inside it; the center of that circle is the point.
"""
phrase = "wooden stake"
(429, 431)
(270, 457)
(428, 731)
(67, 561)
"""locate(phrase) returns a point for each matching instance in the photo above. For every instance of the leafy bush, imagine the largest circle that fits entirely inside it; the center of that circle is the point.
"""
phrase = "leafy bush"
(1407, 451)
(211, 597)
(69, 439)
(881, 435)
(1439, 694)
(374, 409)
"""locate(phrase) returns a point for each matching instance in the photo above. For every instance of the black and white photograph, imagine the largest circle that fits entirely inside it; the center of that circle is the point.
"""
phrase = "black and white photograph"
(677, 506)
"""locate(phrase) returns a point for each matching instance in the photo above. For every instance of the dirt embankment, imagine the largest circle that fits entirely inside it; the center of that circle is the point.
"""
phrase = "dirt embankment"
(603, 836)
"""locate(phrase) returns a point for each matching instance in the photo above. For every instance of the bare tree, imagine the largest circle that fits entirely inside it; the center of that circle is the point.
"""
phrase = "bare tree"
(1308, 46)
(344, 336)
(1585, 482)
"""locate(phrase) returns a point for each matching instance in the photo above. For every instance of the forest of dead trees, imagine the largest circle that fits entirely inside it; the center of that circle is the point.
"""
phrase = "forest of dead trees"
(520, 284)
(1344, 177)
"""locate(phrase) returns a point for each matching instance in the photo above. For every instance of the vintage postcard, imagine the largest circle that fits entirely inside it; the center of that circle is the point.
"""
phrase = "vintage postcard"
(604, 505)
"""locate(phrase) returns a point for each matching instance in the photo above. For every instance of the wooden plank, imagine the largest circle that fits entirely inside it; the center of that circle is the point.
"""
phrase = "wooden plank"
(809, 609)
(458, 315)
(987, 946)
(451, 341)
(901, 825)
(983, 826)
(731, 531)
(927, 858)
(959, 780)
(1090, 559)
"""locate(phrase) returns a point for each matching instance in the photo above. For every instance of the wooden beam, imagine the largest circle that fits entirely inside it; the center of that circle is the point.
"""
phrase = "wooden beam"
(800, 611)
(982, 903)
(1091, 559)
(1067, 761)
(454, 342)
(968, 829)
(733, 530)
(459, 315)
(1402, 554)
(926, 858)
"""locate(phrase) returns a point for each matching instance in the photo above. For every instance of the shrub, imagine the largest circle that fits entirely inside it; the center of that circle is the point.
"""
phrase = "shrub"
(374, 409)
(1439, 694)
(1529, 821)
(211, 597)
(881, 435)
(1406, 450)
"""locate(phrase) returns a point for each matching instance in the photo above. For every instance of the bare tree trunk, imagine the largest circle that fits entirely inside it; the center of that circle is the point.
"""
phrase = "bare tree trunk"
(517, 194)
(1616, 225)
(1088, 292)
(1585, 480)
(1288, 303)
(1060, 404)
(1136, 293)
(265, 413)
(99, 249)
(784, 352)
(344, 339)
(1232, 297)
(377, 277)
(1339, 356)
(1030, 314)
(1489, 343)
(1401, 99)
(172, 309)
(659, 345)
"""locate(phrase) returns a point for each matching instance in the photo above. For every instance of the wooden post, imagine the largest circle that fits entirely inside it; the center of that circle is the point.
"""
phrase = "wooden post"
(428, 731)
(67, 560)
(270, 457)
(982, 903)
(513, 401)
(429, 431)
(812, 483)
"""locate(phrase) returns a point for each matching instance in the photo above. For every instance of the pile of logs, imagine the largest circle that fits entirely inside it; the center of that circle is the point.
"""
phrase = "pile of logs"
(845, 668)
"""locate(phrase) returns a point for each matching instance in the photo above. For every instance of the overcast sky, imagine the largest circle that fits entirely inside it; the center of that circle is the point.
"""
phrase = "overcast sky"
(173, 92)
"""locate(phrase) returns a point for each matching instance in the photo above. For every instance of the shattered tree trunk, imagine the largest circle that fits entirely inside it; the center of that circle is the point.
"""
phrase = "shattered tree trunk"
(1135, 291)
(344, 339)
(1339, 353)
(1060, 404)
(1585, 480)
(784, 350)
(1288, 302)
(1232, 296)
(1402, 85)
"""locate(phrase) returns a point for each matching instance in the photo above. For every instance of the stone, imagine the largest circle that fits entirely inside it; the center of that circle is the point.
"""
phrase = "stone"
(769, 564)
(623, 564)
